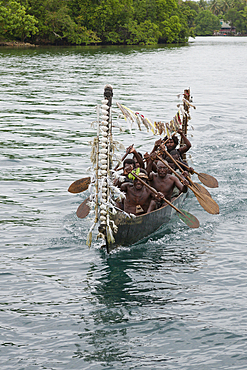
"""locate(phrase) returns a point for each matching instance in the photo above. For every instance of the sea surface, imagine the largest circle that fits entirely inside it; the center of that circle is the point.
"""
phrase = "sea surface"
(177, 301)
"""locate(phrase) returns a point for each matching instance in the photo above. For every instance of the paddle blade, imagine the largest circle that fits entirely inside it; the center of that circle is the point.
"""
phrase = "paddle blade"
(201, 189)
(189, 219)
(79, 185)
(208, 203)
(208, 180)
(83, 209)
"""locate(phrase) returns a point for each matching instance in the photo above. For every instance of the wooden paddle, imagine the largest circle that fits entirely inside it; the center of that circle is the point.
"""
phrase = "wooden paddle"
(206, 179)
(201, 189)
(197, 187)
(205, 201)
(83, 209)
(185, 216)
(123, 158)
(145, 160)
(214, 209)
(79, 185)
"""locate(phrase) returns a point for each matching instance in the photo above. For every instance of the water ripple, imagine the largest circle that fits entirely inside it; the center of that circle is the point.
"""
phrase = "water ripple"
(176, 301)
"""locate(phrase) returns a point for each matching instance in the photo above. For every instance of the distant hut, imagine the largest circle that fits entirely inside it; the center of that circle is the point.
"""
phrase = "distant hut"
(226, 29)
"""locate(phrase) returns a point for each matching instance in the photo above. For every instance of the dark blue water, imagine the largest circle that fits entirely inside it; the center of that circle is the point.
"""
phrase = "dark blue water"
(177, 301)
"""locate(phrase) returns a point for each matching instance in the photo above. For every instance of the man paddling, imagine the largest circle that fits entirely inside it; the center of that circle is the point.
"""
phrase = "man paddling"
(163, 182)
(139, 199)
(172, 143)
(137, 156)
(174, 153)
(128, 166)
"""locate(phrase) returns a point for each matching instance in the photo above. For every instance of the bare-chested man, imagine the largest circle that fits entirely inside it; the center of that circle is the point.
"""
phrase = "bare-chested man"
(172, 143)
(139, 199)
(163, 182)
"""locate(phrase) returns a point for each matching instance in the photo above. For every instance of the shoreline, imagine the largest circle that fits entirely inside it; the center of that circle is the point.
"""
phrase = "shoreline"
(17, 44)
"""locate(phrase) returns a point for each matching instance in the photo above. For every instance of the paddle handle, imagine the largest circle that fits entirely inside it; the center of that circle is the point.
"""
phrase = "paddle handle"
(177, 164)
(125, 155)
(187, 167)
(207, 202)
(196, 192)
(171, 157)
(176, 174)
(155, 192)
(123, 158)
(170, 168)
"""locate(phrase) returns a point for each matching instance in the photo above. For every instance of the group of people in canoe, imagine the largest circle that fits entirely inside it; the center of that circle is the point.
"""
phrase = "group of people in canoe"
(140, 199)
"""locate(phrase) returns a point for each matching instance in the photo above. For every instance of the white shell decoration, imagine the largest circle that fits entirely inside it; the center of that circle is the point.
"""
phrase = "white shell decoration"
(104, 128)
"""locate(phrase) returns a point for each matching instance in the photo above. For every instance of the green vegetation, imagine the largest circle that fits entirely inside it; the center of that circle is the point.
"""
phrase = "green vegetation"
(203, 17)
(15, 23)
(129, 22)
(206, 23)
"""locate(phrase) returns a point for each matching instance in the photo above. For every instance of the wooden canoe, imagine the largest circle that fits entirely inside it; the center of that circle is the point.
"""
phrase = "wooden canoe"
(133, 230)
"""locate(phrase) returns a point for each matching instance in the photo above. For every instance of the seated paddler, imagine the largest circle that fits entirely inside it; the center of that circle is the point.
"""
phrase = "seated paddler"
(172, 143)
(164, 182)
(184, 173)
(139, 199)
(182, 163)
(128, 166)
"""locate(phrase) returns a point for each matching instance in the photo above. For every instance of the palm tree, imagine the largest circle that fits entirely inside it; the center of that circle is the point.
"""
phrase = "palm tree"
(203, 4)
(225, 5)
(215, 7)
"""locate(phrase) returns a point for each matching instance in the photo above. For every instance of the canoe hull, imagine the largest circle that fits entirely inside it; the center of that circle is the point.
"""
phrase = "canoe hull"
(133, 230)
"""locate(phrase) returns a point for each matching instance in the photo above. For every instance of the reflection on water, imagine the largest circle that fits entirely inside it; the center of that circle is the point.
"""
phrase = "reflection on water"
(131, 282)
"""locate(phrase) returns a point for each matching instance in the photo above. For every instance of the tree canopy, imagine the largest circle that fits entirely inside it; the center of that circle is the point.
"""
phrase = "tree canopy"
(206, 23)
(116, 21)
(15, 22)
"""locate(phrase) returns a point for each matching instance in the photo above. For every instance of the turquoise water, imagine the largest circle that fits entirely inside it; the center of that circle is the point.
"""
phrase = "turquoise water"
(177, 301)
